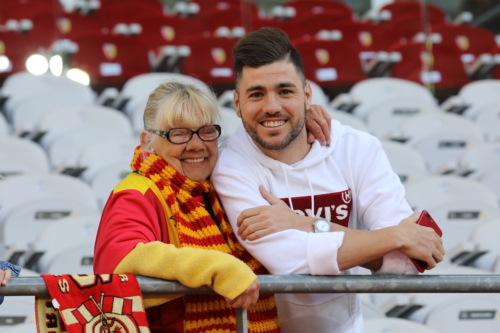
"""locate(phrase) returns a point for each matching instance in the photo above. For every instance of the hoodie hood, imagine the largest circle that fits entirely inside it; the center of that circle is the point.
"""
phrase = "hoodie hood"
(241, 141)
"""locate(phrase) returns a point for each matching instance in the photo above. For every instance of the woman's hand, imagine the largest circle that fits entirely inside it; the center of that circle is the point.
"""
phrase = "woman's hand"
(248, 298)
(255, 223)
(5, 276)
(318, 124)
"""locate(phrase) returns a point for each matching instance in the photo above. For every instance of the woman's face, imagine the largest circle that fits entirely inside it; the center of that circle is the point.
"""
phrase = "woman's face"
(195, 159)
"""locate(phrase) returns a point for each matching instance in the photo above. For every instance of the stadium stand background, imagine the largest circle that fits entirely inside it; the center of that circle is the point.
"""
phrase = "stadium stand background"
(64, 145)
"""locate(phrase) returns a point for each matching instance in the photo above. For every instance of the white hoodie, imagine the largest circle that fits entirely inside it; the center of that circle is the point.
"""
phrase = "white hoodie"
(349, 181)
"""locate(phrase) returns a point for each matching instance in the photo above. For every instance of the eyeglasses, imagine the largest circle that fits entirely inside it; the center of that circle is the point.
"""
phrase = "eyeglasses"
(183, 135)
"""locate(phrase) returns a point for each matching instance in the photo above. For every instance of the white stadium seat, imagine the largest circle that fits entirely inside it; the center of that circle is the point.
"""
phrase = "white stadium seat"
(19, 156)
(22, 328)
(97, 156)
(66, 148)
(229, 122)
(74, 260)
(386, 116)
(363, 95)
(318, 95)
(457, 204)
(4, 127)
(17, 310)
(440, 138)
(406, 162)
(478, 96)
(68, 118)
(489, 121)
(394, 325)
(104, 181)
(348, 119)
(139, 87)
(58, 236)
(17, 87)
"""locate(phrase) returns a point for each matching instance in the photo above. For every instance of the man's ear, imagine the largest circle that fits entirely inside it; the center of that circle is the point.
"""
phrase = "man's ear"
(145, 140)
(236, 102)
(308, 95)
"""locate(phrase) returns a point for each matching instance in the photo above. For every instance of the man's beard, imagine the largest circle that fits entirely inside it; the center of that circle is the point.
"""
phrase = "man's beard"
(297, 127)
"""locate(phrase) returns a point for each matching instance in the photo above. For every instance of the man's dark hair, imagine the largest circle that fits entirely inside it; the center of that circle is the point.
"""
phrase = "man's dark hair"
(264, 47)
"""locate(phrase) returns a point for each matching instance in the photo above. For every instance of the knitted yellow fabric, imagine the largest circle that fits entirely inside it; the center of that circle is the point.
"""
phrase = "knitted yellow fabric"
(196, 229)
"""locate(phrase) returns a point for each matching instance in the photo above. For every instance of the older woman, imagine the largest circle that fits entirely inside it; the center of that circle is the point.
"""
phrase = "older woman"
(164, 220)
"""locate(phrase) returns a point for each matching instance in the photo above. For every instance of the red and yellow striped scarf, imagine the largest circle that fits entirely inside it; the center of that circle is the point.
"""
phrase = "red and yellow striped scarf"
(205, 313)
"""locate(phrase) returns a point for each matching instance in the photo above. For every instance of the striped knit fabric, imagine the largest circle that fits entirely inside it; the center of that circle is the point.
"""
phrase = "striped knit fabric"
(205, 313)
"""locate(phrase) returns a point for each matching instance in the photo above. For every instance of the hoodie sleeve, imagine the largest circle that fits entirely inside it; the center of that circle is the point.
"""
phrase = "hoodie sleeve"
(287, 252)
(380, 197)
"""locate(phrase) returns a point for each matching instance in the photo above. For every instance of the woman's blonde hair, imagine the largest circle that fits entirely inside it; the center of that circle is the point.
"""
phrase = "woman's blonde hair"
(175, 102)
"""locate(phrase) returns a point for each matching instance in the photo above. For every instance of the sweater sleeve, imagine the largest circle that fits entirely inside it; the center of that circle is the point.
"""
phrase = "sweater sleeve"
(282, 253)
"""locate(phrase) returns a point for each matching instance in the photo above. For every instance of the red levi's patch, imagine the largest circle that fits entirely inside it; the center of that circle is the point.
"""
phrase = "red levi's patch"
(106, 303)
(335, 207)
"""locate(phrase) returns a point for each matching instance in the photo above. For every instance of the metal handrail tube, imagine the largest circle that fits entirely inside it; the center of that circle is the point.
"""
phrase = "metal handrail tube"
(297, 284)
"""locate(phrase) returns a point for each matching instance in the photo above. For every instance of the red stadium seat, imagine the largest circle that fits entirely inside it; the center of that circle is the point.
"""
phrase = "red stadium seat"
(160, 30)
(409, 24)
(496, 73)
(292, 29)
(334, 65)
(127, 11)
(110, 60)
(211, 61)
(467, 39)
(26, 9)
(305, 8)
(414, 8)
(210, 20)
(48, 28)
(222, 5)
(329, 20)
(447, 74)
(14, 51)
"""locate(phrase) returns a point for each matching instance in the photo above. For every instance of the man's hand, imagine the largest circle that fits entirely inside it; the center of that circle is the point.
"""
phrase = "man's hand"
(5, 276)
(318, 124)
(255, 223)
(248, 298)
(419, 242)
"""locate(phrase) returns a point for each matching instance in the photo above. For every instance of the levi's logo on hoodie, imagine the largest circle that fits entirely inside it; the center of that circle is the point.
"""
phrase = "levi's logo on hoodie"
(335, 207)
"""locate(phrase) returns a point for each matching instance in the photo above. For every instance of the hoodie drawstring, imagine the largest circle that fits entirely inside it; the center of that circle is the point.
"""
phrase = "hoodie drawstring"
(312, 194)
(287, 187)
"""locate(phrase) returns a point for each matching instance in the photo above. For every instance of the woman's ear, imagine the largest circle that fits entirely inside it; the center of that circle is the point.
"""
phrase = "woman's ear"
(145, 140)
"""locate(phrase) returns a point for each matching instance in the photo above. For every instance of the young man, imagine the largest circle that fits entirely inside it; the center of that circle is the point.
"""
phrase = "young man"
(349, 183)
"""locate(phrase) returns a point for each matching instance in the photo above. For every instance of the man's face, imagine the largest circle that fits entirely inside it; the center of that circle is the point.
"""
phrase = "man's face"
(271, 101)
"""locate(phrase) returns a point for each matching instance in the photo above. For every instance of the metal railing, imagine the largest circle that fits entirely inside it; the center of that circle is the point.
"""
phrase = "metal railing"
(301, 284)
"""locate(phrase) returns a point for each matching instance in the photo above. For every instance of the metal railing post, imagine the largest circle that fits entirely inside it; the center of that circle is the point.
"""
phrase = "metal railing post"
(241, 321)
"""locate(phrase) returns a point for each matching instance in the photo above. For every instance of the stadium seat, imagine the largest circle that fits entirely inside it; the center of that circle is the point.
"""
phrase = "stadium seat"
(293, 30)
(478, 160)
(317, 7)
(407, 26)
(58, 236)
(399, 8)
(68, 118)
(27, 114)
(348, 119)
(369, 310)
(385, 325)
(491, 178)
(15, 49)
(4, 127)
(67, 147)
(113, 12)
(229, 123)
(19, 86)
(209, 21)
(77, 260)
(369, 92)
(17, 310)
(406, 162)
(213, 63)
(473, 98)
(20, 156)
(21, 328)
(98, 156)
(333, 71)
(445, 71)
(440, 138)
(105, 180)
(110, 60)
(457, 204)
(16, 191)
(64, 27)
(137, 89)
(318, 95)
(314, 23)
(387, 116)
(489, 121)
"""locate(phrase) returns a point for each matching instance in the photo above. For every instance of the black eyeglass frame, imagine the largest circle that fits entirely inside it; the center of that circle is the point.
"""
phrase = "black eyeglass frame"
(166, 134)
